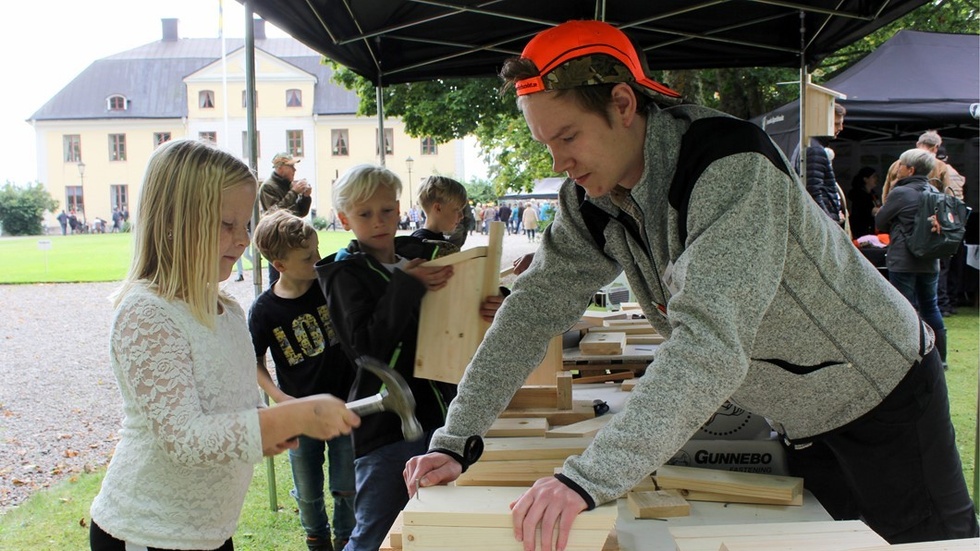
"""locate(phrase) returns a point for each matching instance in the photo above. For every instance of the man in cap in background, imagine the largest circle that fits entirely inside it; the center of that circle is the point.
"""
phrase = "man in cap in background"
(280, 191)
(761, 297)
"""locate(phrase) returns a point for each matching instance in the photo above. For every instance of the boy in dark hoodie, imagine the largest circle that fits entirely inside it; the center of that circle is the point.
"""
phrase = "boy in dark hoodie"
(374, 291)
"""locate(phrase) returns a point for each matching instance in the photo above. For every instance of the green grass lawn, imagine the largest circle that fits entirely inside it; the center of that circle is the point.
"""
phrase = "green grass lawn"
(90, 257)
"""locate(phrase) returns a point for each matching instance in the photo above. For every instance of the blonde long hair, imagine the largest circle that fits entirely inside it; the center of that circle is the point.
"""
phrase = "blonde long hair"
(178, 221)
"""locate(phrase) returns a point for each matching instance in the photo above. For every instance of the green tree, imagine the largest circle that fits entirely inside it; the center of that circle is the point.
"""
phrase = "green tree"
(22, 208)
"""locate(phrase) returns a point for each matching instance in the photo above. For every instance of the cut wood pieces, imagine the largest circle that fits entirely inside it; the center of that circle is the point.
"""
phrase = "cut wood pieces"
(454, 518)
(657, 504)
(782, 490)
(557, 395)
(520, 472)
(602, 343)
(508, 449)
(971, 544)
(581, 410)
(798, 536)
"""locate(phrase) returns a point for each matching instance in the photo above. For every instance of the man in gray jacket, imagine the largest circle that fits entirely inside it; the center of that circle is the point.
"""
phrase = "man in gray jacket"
(762, 299)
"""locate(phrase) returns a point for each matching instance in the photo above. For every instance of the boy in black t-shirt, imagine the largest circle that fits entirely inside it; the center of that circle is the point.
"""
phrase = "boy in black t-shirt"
(291, 319)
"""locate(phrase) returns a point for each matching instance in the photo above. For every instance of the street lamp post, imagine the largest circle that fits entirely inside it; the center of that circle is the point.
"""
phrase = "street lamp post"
(411, 197)
(81, 177)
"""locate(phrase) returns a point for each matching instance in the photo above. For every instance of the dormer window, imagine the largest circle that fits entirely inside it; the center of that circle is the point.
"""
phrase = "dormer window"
(294, 98)
(116, 103)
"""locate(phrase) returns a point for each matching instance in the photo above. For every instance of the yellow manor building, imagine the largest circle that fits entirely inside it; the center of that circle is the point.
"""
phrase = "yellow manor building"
(94, 137)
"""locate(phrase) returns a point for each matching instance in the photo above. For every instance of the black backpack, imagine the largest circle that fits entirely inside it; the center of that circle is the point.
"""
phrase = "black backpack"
(951, 215)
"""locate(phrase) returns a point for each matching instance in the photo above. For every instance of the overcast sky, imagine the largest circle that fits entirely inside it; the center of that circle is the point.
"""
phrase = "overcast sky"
(47, 43)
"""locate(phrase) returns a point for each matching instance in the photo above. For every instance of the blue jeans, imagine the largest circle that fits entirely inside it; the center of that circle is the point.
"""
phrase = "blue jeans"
(306, 462)
(920, 290)
(381, 492)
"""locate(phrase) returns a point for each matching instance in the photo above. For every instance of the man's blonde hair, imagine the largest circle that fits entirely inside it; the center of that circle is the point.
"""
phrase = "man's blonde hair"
(360, 183)
(279, 232)
(178, 223)
(439, 189)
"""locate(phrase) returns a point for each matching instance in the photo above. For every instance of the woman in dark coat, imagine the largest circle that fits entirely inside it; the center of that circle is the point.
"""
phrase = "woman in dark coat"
(865, 202)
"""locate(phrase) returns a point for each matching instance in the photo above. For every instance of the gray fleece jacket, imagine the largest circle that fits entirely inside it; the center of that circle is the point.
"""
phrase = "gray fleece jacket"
(765, 302)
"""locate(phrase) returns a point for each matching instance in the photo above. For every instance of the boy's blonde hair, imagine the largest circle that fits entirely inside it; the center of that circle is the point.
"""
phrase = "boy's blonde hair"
(279, 232)
(439, 189)
(360, 183)
(178, 224)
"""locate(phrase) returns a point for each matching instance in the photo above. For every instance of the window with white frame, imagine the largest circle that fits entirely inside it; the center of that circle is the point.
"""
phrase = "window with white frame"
(294, 142)
(117, 147)
(429, 146)
(389, 141)
(294, 97)
(339, 138)
(72, 147)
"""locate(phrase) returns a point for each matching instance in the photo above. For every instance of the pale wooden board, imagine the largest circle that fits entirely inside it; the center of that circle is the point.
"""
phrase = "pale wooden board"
(711, 538)
(628, 385)
(645, 339)
(783, 488)
(629, 323)
(475, 506)
(693, 495)
(450, 325)
(657, 504)
(581, 410)
(518, 426)
(629, 330)
(596, 317)
(544, 374)
(971, 544)
(826, 542)
(557, 395)
(456, 538)
(509, 449)
(564, 382)
(602, 343)
(520, 472)
(393, 540)
(587, 428)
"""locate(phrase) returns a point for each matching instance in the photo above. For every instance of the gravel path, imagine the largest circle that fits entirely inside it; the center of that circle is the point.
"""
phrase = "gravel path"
(59, 405)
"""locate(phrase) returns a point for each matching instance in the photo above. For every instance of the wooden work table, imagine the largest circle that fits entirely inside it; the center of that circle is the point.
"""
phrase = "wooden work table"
(635, 358)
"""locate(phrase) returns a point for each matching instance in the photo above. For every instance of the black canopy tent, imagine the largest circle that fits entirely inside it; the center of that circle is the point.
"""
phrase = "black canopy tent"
(914, 82)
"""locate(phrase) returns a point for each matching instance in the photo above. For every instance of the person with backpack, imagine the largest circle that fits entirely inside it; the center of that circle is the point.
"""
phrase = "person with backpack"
(916, 277)
(760, 296)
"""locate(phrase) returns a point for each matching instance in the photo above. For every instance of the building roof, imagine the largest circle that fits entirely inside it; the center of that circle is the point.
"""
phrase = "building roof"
(151, 78)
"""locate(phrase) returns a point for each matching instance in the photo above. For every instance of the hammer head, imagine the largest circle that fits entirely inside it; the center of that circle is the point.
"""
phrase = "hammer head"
(398, 397)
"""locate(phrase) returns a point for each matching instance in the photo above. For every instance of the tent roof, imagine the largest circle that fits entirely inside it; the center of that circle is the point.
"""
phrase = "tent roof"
(913, 82)
(399, 41)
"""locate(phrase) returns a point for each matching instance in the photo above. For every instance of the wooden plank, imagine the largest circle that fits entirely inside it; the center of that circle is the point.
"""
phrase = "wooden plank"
(518, 426)
(602, 343)
(450, 327)
(455, 538)
(807, 542)
(971, 544)
(784, 488)
(711, 538)
(693, 495)
(393, 540)
(657, 504)
(628, 385)
(581, 410)
(628, 323)
(509, 449)
(563, 382)
(491, 272)
(544, 374)
(587, 428)
(645, 339)
(535, 396)
(520, 472)
(475, 506)
(618, 376)
(596, 317)
(630, 330)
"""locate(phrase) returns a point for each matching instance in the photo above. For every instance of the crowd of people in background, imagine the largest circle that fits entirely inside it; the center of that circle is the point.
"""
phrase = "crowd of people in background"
(71, 222)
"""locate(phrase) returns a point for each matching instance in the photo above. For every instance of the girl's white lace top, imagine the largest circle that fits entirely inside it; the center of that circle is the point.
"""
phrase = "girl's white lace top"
(190, 431)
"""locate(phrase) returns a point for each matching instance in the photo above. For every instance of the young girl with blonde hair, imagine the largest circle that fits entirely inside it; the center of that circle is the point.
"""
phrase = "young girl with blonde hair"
(193, 423)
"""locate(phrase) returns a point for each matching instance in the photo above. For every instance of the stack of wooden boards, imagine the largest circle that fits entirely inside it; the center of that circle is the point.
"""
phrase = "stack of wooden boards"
(613, 335)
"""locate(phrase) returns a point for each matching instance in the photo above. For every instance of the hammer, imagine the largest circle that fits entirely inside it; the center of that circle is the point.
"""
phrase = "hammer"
(395, 397)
